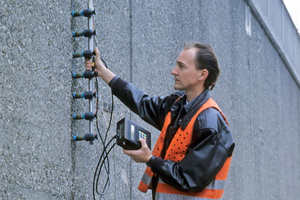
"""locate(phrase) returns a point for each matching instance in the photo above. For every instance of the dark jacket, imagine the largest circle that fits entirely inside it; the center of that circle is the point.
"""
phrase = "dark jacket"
(212, 141)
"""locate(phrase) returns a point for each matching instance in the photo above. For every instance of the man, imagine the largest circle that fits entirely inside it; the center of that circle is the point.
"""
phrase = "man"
(192, 155)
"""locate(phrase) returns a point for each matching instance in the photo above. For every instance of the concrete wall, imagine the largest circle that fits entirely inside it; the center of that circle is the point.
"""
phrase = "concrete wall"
(278, 26)
(140, 41)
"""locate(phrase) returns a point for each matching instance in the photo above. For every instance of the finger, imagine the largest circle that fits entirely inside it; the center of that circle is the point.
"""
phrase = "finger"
(124, 151)
(127, 152)
(88, 64)
(143, 142)
(97, 52)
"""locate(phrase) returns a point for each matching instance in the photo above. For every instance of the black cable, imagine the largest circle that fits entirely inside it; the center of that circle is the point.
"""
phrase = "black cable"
(106, 166)
(98, 170)
(95, 40)
(108, 178)
(103, 141)
(103, 152)
(94, 35)
(103, 160)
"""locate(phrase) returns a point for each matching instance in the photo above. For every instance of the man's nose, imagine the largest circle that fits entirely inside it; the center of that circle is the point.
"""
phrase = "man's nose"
(174, 71)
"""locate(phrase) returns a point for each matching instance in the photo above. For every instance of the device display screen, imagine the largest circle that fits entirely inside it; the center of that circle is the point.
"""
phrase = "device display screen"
(132, 132)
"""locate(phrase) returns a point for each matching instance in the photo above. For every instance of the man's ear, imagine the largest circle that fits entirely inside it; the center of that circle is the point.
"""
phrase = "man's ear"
(203, 74)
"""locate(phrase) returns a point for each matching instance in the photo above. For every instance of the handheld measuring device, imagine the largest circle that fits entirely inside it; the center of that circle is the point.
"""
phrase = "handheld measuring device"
(129, 133)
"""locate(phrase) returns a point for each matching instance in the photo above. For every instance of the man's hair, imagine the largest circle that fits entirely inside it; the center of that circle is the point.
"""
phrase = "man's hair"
(206, 59)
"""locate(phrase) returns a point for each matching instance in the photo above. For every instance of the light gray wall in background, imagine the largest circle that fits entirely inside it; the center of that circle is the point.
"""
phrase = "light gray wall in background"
(139, 41)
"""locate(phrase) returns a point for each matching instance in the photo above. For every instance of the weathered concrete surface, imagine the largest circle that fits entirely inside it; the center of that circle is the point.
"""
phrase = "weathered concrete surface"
(140, 41)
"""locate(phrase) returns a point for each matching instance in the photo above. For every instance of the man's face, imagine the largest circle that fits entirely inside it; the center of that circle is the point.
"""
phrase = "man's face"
(185, 72)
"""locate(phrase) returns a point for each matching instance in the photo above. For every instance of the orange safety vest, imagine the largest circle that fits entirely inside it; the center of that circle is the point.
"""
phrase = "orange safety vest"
(181, 141)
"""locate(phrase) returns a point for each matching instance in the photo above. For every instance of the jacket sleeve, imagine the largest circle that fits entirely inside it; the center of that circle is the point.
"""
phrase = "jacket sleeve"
(206, 155)
(151, 109)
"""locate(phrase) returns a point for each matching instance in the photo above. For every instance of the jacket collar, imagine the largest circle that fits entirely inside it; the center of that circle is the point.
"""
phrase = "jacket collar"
(191, 108)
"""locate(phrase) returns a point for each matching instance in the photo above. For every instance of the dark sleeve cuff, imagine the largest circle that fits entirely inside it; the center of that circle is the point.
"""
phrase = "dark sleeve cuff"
(155, 163)
(117, 84)
(113, 81)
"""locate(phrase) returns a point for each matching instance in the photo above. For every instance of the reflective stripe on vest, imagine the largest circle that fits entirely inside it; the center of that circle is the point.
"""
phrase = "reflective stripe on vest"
(214, 190)
(176, 152)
